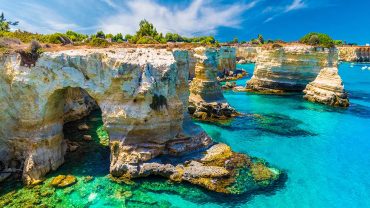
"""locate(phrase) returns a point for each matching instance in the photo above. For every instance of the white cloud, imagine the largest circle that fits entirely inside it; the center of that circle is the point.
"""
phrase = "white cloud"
(296, 4)
(201, 17)
(110, 3)
(38, 18)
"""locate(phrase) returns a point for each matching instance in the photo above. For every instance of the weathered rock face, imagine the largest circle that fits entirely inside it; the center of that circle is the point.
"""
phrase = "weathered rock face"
(78, 104)
(246, 54)
(299, 68)
(226, 59)
(327, 88)
(206, 99)
(205, 86)
(138, 91)
(143, 95)
(289, 68)
(354, 54)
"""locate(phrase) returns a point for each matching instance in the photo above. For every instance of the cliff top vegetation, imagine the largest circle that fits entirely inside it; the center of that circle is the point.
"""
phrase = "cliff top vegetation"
(146, 36)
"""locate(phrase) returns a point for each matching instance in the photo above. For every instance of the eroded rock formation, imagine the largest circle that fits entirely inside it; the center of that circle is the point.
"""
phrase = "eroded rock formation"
(289, 68)
(206, 99)
(226, 59)
(297, 67)
(327, 89)
(354, 53)
(143, 95)
(78, 104)
(246, 54)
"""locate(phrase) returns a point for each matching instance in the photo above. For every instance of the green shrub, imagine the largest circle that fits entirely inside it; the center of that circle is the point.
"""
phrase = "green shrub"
(147, 40)
(318, 39)
(23, 36)
(57, 38)
(261, 39)
(118, 38)
(100, 34)
(76, 37)
(99, 42)
(338, 42)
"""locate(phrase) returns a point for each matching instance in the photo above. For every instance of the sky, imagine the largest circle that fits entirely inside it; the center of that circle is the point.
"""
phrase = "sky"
(288, 20)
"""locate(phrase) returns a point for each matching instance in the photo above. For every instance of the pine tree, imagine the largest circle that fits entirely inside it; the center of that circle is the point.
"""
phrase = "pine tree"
(4, 24)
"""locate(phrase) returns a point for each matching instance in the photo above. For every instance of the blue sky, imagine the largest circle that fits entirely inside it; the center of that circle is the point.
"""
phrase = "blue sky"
(275, 19)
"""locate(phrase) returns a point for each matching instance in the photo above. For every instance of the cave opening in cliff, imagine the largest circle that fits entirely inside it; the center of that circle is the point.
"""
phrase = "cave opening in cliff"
(88, 152)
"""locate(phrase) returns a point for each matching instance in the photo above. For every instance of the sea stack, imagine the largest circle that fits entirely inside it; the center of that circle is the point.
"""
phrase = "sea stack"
(294, 68)
(327, 89)
(206, 101)
(226, 59)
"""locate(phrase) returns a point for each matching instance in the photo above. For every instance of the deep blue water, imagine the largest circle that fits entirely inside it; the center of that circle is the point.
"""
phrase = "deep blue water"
(324, 150)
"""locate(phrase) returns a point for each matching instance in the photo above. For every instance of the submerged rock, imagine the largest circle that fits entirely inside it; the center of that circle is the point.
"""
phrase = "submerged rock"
(229, 85)
(62, 181)
(219, 169)
(83, 127)
(87, 137)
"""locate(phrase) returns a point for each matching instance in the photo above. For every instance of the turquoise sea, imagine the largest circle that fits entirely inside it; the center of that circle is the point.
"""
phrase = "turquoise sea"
(325, 152)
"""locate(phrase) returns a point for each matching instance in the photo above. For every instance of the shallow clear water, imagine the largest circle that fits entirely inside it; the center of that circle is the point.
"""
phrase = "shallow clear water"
(325, 152)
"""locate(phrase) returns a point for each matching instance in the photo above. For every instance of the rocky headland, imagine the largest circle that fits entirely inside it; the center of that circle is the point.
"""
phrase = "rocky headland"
(354, 53)
(143, 95)
(206, 101)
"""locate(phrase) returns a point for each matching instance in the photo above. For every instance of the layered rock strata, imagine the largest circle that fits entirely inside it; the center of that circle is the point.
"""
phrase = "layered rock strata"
(226, 59)
(227, 65)
(246, 54)
(136, 89)
(327, 89)
(289, 68)
(354, 53)
(206, 99)
(143, 95)
(300, 68)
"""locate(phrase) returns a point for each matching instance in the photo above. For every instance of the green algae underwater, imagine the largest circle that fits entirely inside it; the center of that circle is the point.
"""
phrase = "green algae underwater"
(94, 187)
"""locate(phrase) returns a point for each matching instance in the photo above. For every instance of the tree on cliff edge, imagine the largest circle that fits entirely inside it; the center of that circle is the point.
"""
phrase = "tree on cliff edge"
(318, 39)
(5, 25)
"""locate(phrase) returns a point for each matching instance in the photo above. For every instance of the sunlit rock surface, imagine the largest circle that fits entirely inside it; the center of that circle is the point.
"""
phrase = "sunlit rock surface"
(289, 68)
(354, 53)
(137, 90)
(206, 99)
(298, 68)
(143, 95)
(327, 89)
(226, 59)
(246, 54)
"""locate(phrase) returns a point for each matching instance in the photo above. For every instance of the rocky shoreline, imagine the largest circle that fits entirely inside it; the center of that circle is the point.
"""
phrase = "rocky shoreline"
(143, 94)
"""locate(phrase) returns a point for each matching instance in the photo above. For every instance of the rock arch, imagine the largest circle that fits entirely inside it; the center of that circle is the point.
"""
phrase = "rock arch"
(143, 95)
(125, 83)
